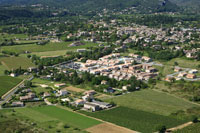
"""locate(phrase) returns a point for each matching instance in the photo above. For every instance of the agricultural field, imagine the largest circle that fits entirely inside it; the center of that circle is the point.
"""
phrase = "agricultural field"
(152, 101)
(11, 36)
(194, 128)
(136, 120)
(16, 62)
(2, 69)
(7, 83)
(44, 48)
(47, 114)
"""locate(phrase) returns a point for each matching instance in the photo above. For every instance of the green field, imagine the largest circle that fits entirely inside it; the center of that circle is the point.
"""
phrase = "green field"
(194, 128)
(52, 113)
(152, 101)
(137, 120)
(2, 69)
(7, 83)
(16, 62)
(43, 48)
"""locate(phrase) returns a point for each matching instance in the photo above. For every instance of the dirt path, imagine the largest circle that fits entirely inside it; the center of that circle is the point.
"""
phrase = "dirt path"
(179, 127)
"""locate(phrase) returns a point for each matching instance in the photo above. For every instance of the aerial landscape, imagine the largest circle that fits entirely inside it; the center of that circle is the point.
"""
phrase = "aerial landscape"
(93, 66)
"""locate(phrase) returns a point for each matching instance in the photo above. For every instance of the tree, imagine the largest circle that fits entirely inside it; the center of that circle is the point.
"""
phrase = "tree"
(161, 129)
(175, 63)
(195, 120)
(28, 83)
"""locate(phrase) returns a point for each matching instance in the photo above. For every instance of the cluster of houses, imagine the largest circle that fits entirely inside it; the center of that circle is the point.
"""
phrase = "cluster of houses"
(183, 74)
(120, 68)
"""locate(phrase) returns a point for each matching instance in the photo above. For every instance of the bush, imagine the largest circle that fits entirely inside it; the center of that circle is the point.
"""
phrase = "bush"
(161, 129)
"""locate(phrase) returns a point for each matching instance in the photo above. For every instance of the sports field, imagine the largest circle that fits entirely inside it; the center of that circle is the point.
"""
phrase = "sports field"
(136, 120)
(16, 62)
(52, 113)
(7, 83)
(152, 101)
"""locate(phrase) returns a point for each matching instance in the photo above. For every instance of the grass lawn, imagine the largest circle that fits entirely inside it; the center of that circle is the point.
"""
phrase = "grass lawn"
(2, 69)
(183, 62)
(152, 101)
(7, 83)
(44, 48)
(52, 113)
(16, 62)
(194, 128)
(137, 120)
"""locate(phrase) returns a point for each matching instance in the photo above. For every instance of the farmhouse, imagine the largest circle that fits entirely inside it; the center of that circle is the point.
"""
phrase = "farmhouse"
(46, 94)
(90, 92)
(92, 107)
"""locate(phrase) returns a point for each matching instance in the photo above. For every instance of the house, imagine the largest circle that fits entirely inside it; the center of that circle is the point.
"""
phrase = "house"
(29, 96)
(151, 70)
(87, 97)
(147, 59)
(102, 105)
(104, 82)
(65, 100)
(177, 69)
(81, 50)
(193, 71)
(62, 92)
(59, 85)
(109, 90)
(90, 92)
(169, 78)
(92, 107)
(191, 76)
(79, 102)
(46, 94)
(18, 104)
(76, 44)
(32, 69)
(13, 75)
(44, 86)
(183, 74)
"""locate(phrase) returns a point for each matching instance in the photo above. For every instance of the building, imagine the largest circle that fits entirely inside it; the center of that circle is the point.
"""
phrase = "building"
(13, 75)
(59, 85)
(79, 102)
(90, 92)
(17, 104)
(193, 71)
(109, 90)
(191, 76)
(92, 107)
(62, 92)
(102, 105)
(32, 69)
(46, 94)
(177, 69)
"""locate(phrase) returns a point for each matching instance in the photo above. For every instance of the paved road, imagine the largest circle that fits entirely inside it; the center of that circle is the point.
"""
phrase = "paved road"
(13, 90)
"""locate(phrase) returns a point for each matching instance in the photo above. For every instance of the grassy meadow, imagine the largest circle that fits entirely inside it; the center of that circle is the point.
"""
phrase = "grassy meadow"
(44, 48)
(52, 113)
(7, 83)
(152, 101)
(16, 62)
(194, 128)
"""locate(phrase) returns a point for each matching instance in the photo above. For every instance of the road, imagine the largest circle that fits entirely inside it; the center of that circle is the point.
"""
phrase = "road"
(13, 90)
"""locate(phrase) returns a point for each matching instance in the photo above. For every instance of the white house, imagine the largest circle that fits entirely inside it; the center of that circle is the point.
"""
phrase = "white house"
(90, 106)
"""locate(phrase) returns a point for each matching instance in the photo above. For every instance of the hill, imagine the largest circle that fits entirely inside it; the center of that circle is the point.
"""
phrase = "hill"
(95, 5)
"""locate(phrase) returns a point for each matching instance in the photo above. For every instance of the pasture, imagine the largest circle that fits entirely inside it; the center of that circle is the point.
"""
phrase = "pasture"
(136, 120)
(152, 101)
(7, 83)
(52, 113)
(16, 62)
